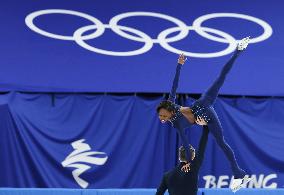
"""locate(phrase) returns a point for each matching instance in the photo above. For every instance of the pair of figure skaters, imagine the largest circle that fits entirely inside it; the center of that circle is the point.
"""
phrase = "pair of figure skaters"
(183, 179)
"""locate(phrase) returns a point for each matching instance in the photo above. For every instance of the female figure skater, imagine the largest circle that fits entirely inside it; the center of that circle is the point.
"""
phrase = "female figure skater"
(202, 113)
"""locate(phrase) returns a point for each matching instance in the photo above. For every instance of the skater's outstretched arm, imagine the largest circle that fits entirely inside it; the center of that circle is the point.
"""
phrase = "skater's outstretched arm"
(201, 148)
(181, 61)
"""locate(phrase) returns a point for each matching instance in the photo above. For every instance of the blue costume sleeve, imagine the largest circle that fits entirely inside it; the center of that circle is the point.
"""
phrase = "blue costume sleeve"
(201, 148)
(172, 96)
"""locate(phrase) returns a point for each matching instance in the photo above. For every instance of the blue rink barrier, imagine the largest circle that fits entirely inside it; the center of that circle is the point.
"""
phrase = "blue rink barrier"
(61, 191)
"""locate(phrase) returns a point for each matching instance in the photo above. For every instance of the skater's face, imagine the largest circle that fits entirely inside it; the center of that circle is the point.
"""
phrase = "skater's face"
(165, 115)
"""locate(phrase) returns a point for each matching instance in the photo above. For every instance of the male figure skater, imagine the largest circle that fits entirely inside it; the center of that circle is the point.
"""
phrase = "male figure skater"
(185, 182)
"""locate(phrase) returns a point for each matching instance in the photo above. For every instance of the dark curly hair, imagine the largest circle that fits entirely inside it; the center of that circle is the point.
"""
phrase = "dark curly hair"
(182, 152)
(166, 104)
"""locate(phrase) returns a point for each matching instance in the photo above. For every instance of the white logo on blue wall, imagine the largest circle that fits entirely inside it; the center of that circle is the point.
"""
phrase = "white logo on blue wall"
(80, 158)
(257, 181)
(162, 39)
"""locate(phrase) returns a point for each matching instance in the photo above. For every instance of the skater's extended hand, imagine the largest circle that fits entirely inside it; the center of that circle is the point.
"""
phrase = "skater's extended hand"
(185, 168)
(181, 59)
(200, 121)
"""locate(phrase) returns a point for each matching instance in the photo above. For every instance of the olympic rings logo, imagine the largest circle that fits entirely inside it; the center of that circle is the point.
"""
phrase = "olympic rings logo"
(140, 36)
